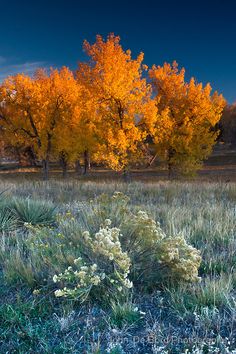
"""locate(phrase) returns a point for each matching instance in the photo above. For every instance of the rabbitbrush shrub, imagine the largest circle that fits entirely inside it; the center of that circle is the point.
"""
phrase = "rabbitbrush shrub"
(135, 250)
(107, 276)
(157, 258)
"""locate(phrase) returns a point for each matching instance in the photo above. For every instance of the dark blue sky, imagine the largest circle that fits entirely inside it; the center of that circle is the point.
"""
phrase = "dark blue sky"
(199, 35)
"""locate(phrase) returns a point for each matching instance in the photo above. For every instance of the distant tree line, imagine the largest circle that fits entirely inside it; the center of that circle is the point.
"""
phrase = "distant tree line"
(113, 110)
(227, 125)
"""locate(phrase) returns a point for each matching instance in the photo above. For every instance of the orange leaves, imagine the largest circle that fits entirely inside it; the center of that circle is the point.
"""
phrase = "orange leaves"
(190, 114)
(108, 109)
(40, 106)
(122, 97)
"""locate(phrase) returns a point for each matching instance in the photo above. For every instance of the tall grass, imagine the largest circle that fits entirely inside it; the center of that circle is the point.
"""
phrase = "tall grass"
(204, 213)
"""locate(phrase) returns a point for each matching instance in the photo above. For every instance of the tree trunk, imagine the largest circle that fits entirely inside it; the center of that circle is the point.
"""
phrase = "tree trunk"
(45, 164)
(126, 175)
(63, 163)
(86, 162)
(46, 160)
(32, 156)
(171, 153)
(78, 168)
(170, 172)
(89, 162)
(19, 158)
(64, 169)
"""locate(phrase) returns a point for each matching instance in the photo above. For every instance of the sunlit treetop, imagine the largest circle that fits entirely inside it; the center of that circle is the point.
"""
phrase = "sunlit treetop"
(122, 97)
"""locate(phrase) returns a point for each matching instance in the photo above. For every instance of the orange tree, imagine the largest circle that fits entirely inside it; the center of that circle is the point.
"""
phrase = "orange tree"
(77, 136)
(122, 103)
(38, 109)
(188, 113)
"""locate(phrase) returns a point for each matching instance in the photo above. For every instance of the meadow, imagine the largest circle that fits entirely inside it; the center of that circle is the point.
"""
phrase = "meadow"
(97, 267)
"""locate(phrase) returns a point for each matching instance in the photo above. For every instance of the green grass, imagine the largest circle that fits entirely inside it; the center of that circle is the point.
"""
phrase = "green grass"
(210, 293)
(124, 314)
(38, 322)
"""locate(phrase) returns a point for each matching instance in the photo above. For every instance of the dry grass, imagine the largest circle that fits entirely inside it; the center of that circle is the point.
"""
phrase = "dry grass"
(199, 318)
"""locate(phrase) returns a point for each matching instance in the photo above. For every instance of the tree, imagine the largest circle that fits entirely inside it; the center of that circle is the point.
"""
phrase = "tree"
(38, 109)
(122, 103)
(188, 113)
(227, 125)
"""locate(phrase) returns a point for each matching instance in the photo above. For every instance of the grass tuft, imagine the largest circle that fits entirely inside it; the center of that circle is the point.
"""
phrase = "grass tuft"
(124, 314)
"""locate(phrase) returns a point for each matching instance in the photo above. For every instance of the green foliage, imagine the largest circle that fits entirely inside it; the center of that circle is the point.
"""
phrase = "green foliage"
(124, 314)
(33, 257)
(27, 326)
(116, 350)
(34, 212)
(8, 221)
(19, 270)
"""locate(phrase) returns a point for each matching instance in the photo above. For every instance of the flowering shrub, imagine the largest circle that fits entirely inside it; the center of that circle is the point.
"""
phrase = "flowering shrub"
(180, 260)
(83, 278)
(107, 275)
(140, 231)
(136, 250)
(156, 257)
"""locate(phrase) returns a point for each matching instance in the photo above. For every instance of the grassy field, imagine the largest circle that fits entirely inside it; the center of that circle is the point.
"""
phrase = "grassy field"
(42, 225)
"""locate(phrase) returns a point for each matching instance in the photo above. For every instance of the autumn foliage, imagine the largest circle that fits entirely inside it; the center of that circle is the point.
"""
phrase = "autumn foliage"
(188, 113)
(111, 111)
(122, 100)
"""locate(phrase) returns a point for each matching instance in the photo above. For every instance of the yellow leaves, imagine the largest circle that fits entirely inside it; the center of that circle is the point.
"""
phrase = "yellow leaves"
(40, 106)
(108, 109)
(187, 114)
(122, 99)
